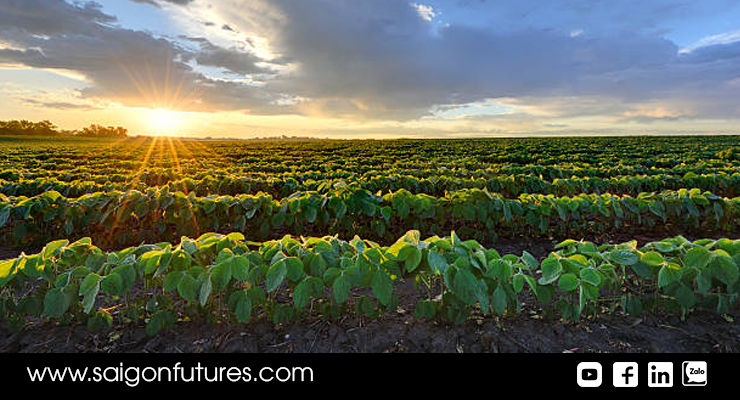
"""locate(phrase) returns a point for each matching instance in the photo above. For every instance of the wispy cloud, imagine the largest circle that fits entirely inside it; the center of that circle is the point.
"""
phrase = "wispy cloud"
(425, 12)
(157, 3)
(60, 105)
(713, 40)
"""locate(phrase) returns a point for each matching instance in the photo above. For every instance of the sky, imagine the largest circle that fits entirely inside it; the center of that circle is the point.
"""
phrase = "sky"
(374, 68)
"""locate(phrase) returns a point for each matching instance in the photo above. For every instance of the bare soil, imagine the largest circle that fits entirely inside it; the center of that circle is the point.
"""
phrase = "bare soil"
(6, 253)
(700, 332)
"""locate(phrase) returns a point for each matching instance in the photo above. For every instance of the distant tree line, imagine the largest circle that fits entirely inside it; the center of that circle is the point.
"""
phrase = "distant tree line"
(102, 131)
(47, 128)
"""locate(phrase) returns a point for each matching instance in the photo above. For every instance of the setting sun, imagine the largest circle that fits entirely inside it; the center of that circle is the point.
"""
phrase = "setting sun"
(163, 121)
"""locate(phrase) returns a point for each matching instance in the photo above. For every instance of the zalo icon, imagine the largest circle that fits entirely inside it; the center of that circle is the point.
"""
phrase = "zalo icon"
(694, 373)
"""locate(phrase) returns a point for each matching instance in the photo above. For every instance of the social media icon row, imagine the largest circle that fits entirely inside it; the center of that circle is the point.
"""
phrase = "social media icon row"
(626, 374)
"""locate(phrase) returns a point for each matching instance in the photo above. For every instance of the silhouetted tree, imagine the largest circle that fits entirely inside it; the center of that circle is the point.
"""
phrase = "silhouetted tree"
(25, 127)
(47, 128)
(100, 131)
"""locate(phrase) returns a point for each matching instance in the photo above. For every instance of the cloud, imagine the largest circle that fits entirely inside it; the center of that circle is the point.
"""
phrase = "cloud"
(59, 105)
(722, 38)
(52, 17)
(425, 12)
(125, 66)
(379, 60)
(156, 3)
(712, 52)
(233, 60)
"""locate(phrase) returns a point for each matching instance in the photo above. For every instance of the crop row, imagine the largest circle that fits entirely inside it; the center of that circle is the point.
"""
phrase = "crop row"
(506, 185)
(105, 170)
(222, 278)
(118, 218)
(363, 156)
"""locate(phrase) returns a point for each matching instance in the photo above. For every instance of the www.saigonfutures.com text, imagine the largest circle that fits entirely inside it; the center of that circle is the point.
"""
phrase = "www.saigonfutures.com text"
(133, 376)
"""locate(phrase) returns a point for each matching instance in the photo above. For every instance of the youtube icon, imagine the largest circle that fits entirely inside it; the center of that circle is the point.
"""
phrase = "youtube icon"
(589, 374)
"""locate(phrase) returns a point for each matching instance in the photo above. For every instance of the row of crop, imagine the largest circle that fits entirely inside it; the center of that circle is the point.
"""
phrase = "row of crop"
(283, 186)
(151, 175)
(362, 156)
(120, 218)
(222, 278)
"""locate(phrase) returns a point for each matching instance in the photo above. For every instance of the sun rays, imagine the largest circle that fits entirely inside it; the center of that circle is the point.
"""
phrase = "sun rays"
(164, 153)
(136, 177)
(162, 95)
(162, 90)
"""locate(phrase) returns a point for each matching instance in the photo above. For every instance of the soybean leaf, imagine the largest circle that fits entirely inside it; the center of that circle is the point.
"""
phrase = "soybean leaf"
(243, 307)
(275, 275)
(437, 262)
(90, 283)
(622, 257)
(668, 274)
(643, 271)
(186, 288)
(518, 282)
(499, 300)
(412, 257)
(55, 302)
(551, 270)
(652, 258)
(340, 289)
(698, 258)
(52, 248)
(205, 290)
(161, 320)
(382, 287)
(240, 268)
(113, 284)
(221, 275)
(529, 260)
(685, 296)
(171, 280)
(301, 294)
(703, 281)
(7, 271)
(591, 276)
(294, 267)
(568, 282)
(725, 270)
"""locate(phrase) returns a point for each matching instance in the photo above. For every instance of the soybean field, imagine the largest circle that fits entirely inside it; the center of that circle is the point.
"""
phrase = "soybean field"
(411, 240)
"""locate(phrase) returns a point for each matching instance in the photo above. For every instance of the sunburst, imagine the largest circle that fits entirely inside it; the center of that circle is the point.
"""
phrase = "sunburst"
(164, 122)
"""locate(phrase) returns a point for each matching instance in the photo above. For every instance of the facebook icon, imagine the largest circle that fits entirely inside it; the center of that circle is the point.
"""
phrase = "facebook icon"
(624, 374)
